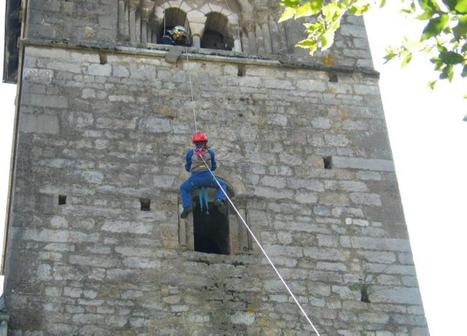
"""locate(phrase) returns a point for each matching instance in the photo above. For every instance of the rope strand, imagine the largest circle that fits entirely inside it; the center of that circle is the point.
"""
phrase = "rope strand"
(243, 220)
(262, 250)
(191, 91)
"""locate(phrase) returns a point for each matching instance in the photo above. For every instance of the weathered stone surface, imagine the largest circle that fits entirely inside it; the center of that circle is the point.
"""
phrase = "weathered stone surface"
(109, 133)
(47, 124)
(361, 163)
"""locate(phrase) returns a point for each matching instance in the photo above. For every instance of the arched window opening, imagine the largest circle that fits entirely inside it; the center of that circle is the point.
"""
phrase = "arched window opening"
(216, 34)
(174, 17)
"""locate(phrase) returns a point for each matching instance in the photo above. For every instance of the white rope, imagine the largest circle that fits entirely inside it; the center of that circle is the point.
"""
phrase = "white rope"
(243, 220)
(191, 91)
(262, 249)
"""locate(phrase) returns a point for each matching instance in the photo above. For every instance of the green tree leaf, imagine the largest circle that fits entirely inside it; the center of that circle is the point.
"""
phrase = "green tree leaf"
(460, 31)
(464, 71)
(450, 57)
(434, 27)
(406, 60)
(309, 8)
(359, 10)
(333, 11)
(327, 40)
(287, 14)
(431, 84)
(451, 4)
(290, 3)
(447, 73)
(425, 16)
(307, 43)
(461, 7)
(429, 6)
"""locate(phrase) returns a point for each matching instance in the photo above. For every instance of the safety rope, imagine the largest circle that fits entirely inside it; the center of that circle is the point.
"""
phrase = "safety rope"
(191, 91)
(241, 218)
(261, 248)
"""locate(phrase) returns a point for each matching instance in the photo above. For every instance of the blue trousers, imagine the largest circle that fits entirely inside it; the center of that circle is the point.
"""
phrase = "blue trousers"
(198, 180)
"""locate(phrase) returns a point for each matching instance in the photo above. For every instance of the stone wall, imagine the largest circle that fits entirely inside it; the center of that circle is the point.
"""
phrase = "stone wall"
(106, 135)
(253, 24)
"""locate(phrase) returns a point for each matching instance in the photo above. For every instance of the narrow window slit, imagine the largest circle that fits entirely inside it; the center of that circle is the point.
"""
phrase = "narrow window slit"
(102, 58)
(327, 161)
(364, 294)
(241, 70)
(145, 204)
(333, 77)
(61, 199)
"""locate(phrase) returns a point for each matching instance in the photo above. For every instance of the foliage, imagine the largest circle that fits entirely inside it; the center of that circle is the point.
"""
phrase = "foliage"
(443, 39)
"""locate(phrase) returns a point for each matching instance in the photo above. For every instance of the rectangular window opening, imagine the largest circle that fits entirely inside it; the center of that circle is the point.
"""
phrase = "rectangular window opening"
(241, 70)
(211, 230)
(327, 160)
(61, 199)
(102, 58)
(333, 77)
(145, 204)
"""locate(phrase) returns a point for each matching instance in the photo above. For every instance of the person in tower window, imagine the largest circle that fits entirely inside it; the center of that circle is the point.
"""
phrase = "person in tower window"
(175, 36)
(200, 175)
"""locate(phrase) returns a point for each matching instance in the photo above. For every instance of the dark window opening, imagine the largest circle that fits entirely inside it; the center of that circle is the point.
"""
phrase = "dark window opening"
(12, 34)
(364, 293)
(327, 162)
(102, 58)
(333, 77)
(174, 17)
(216, 34)
(61, 199)
(211, 231)
(145, 204)
(241, 70)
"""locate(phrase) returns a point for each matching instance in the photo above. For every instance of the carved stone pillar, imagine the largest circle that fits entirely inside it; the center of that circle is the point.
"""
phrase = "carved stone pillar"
(197, 21)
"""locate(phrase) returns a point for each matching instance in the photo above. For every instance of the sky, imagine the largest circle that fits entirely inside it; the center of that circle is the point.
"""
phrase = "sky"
(428, 139)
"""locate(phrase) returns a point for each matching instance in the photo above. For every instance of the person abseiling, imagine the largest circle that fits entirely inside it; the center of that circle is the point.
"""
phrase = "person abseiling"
(200, 175)
(175, 36)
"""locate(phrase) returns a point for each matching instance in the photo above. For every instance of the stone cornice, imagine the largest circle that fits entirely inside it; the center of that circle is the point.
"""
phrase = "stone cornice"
(157, 50)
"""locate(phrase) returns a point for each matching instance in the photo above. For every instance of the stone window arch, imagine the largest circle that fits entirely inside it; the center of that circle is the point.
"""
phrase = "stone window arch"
(141, 21)
(172, 17)
(216, 33)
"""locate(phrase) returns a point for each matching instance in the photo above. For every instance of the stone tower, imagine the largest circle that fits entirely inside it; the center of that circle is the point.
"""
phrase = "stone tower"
(95, 244)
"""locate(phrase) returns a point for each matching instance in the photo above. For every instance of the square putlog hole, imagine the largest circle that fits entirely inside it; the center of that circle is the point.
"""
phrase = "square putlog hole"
(333, 78)
(61, 199)
(145, 204)
(327, 162)
(241, 70)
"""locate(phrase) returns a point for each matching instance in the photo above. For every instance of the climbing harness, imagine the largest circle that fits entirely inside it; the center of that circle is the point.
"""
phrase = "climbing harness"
(262, 250)
(200, 151)
(242, 219)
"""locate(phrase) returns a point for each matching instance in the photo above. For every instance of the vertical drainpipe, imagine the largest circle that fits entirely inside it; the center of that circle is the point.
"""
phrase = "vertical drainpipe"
(14, 146)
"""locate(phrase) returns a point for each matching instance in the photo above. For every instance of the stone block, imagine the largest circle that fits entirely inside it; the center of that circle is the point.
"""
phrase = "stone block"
(155, 125)
(245, 318)
(364, 164)
(42, 124)
(366, 199)
(127, 227)
(43, 76)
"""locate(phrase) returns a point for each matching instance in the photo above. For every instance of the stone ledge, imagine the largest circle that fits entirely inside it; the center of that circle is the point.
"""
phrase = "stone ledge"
(158, 50)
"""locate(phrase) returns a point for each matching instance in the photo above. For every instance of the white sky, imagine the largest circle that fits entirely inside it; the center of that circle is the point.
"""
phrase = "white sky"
(428, 139)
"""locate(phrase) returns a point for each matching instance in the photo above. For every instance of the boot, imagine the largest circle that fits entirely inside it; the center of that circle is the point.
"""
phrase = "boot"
(186, 212)
(221, 207)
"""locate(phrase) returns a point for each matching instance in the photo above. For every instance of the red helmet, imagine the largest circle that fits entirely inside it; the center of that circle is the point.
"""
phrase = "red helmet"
(200, 137)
